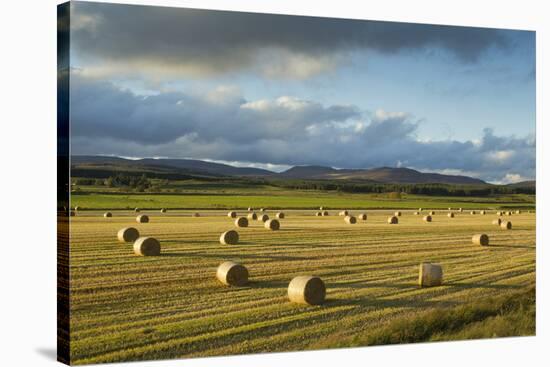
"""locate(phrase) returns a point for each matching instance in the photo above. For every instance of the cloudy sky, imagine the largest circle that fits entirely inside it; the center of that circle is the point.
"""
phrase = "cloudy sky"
(275, 91)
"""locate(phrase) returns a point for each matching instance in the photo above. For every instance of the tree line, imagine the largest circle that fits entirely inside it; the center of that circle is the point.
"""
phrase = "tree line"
(418, 189)
(139, 183)
(142, 183)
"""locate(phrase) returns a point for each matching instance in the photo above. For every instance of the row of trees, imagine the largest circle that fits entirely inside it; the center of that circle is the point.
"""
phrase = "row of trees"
(139, 183)
(419, 189)
(143, 183)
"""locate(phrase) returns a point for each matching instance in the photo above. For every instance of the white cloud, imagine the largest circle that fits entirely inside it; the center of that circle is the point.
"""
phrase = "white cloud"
(500, 156)
(225, 94)
(223, 125)
(382, 115)
(267, 166)
(280, 63)
(512, 178)
(455, 172)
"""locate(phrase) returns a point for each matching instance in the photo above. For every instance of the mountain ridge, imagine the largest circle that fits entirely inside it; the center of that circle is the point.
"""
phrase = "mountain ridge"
(379, 174)
(187, 165)
(191, 167)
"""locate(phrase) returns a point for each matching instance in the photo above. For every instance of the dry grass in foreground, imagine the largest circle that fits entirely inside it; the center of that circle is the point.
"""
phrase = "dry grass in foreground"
(493, 317)
(126, 307)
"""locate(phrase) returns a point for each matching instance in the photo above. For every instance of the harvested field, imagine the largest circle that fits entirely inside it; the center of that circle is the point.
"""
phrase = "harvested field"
(126, 307)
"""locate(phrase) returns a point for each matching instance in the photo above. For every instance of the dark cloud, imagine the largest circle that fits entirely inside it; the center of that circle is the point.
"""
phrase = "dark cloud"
(222, 125)
(174, 40)
(101, 110)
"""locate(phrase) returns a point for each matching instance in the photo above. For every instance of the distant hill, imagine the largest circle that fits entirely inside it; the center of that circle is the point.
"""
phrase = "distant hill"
(382, 174)
(528, 184)
(311, 172)
(192, 167)
(182, 166)
(208, 167)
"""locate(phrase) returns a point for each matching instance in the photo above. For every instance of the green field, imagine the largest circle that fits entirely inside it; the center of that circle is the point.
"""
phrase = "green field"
(125, 307)
(276, 199)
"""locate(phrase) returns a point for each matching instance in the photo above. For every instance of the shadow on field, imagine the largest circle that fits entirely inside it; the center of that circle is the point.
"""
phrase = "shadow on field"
(376, 303)
(513, 246)
(268, 284)
(366, 285)
(239, 255)
(297, 245)
(273, 257)
(181, 254)
(480, 285)
(177, 241)
(282, 229)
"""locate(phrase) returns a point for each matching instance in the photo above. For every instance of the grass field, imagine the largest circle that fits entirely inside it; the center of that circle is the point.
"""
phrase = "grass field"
(125, 307)
(290, 199)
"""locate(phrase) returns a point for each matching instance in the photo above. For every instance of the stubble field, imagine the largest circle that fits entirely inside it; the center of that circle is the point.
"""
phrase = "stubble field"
(125, 307)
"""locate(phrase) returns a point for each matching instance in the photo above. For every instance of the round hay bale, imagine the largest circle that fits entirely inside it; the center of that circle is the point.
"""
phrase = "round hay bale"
(415, 213)
(397, 214)
(473, 212)
(431, 212)
(430, 275)
(142, 218)
(393, 220)
(318, 214)
(451, 215)
(506, 225)
(137, 210)
(147, 246)
(262, 209)
(232, 215)
(252, 216)
(427, 218)
(250, 209)
(128, 234)
(107, 215)
(241, 222)
(229, 238)
(280, 215)
(499, 214)
(230, 273)
(343, 213)
(195, 215)
(306, 289)
(272, 224)
(350, 219)
(480, 239)
(362, 216)
(163, 210)
(518, 211)
(497, 221)
(264, 218)
(482, 212)
(460, 210)
(72, 213)
(325, 213)
(508, 213)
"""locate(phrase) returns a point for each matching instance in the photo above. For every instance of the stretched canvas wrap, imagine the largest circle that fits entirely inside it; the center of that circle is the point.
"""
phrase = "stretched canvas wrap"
(233, 183)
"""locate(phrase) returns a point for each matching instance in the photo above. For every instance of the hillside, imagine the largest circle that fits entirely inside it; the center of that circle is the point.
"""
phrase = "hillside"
(382, 175)
(87, 165)
(163, 166)
(526, 184)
